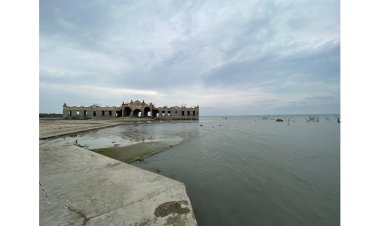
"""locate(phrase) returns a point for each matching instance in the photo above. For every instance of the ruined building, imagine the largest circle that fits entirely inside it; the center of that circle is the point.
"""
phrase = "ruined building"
(132, 109)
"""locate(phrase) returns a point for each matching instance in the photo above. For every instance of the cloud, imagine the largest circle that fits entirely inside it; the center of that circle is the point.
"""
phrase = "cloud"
(315, 64)
(273, 56)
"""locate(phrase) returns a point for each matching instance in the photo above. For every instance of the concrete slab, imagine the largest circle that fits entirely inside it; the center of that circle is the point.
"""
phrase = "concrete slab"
(79, 187)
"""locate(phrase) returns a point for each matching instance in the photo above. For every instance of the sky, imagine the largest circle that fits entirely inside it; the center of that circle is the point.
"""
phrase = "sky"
(229, 57)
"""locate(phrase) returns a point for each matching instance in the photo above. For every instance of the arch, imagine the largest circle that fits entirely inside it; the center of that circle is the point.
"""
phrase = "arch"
(137, 113)
(103, 113)
(147, 112)
(118, 114)
(155, 113)
(94, 113)
(127, 112)
(70, 113)
(110, 113)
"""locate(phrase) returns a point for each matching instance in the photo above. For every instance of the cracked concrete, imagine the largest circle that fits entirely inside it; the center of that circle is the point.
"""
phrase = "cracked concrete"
(80, 187)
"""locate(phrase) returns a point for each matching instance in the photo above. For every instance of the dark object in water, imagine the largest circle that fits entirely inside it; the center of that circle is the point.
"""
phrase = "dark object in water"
(158, 171)
(201, 125)
(338, 119)
(279, 120)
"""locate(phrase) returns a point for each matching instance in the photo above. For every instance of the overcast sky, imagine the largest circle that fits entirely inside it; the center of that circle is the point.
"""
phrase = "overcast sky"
(229, 57)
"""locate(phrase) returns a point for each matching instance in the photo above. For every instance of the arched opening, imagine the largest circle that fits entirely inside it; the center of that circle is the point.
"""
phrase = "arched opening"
(188, 113)
(147, 112)
(94, 113)
(183, 113)
(70, 113)
(118, 114)
(137, 113)
(155, 113)
(85, 113)
(193, 113)
(103, 113)
(169, 113)
(127, 111)
(77, 113)
(163, 113)
(110, 113)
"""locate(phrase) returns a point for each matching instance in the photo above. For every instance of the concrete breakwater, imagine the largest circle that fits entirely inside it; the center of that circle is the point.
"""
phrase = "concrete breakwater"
(80, 187)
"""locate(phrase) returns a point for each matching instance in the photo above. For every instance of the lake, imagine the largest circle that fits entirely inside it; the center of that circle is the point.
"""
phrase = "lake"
(246, 170)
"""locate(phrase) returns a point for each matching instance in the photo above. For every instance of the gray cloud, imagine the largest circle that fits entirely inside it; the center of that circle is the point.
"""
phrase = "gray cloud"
(284, 55)
(321, 64)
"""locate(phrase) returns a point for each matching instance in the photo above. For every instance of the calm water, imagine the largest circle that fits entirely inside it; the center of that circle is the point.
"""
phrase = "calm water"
(255, 171)
(247, 170)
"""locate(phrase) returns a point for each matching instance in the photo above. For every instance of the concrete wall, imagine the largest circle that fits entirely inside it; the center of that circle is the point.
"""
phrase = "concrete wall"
(181, 113)
(89, 112)
(163, 113)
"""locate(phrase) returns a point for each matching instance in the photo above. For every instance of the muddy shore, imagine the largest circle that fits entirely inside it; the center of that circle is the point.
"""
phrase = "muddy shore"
(73, 130)
(134, 152)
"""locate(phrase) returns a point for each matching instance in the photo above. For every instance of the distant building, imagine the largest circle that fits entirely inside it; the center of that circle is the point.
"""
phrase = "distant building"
(132, 109)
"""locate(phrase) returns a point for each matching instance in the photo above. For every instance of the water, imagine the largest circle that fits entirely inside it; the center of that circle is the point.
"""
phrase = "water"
(255, 171)
(123, 135)
(248, 170)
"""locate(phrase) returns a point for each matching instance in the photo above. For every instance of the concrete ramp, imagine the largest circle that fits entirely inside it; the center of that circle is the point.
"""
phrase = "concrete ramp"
(80, 187)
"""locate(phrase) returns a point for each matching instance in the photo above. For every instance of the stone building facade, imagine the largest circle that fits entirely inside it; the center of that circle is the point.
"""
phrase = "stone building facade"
(133, 109)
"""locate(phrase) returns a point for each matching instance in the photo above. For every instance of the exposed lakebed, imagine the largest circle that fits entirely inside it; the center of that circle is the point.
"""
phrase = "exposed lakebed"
(133, 142)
